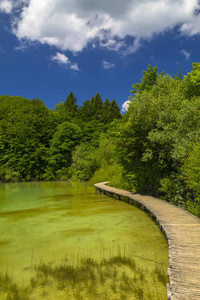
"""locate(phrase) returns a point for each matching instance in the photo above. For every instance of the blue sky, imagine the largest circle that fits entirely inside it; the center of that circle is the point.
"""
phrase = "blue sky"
(49, 48)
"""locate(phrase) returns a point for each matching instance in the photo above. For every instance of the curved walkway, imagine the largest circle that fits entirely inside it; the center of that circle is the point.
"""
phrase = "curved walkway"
(182, 230)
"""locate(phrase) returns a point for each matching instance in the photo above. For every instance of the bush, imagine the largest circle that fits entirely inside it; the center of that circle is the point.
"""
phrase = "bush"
(85, 162)
(191, 175)
(112, 173)
(173, 190)
(12, 175)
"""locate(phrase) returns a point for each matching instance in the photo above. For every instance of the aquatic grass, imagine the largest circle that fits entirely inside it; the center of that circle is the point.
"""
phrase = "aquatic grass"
(116, 276)
(10, 290)
(113, 287)
(160, 273)
(139, 293)
(102, 277)
(121, 260)
(33, 282)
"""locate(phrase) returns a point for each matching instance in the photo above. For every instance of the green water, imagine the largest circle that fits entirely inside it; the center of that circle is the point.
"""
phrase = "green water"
(59, 223)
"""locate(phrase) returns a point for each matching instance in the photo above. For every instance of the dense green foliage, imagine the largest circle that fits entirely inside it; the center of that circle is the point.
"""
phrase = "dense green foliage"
(159, 138)
(26, 129)
(37, 143)
(153, 148)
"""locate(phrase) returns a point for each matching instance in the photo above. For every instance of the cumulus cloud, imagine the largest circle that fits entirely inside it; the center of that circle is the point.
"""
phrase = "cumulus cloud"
(186, 54)
(73, 24)
(125, 106)
(74, 66)
(5, 6)
(107, 65)
(62, 59)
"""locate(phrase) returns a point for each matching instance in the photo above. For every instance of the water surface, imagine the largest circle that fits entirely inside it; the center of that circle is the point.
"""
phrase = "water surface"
(52, 222)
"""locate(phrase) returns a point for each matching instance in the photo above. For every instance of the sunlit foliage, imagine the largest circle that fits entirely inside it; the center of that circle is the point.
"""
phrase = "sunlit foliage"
(153, 148)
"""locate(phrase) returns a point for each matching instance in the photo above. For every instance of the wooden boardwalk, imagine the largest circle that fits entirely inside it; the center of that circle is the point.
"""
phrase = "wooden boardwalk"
(182, 231)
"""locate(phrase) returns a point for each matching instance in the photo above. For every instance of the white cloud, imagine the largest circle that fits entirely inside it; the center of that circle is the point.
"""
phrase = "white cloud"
(107, 65)
(74, 66)
(73, 24)
(125, 106)
(62, 59)
(133, 48)
(5, 6)
(186, 54)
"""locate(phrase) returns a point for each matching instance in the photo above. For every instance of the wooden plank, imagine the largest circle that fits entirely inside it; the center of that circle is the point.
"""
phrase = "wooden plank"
(182, 231)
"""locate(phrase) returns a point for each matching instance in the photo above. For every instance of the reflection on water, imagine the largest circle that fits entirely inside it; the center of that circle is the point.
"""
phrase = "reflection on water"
(45, 222)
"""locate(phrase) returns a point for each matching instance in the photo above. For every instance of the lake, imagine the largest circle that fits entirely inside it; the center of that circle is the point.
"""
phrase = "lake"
(52, 232)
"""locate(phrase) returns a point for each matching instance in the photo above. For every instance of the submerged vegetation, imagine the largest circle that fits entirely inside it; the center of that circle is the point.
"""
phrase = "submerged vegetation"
(116, 277)
(153, 148)
(66, 242)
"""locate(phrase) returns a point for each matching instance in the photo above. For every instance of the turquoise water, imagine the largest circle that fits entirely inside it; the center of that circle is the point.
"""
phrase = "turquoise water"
(53, 222)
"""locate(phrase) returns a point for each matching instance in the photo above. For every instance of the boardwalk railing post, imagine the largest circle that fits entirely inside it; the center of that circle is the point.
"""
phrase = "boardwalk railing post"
(130, 201)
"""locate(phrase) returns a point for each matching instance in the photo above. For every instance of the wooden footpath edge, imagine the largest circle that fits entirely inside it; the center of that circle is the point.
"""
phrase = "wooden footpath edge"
(182, 231)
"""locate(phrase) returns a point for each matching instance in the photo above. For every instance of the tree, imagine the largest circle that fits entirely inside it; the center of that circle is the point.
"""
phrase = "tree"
(105, 116)
(26, 129)
(91, 132)
(148, 80)
(85, 162)
(85, 112)
(179, 76)
(96, 107)
(60, 113)
(146, 139)
(114, 111)
(191, 174)
(64, 141)
(70, 105)
(192, 81)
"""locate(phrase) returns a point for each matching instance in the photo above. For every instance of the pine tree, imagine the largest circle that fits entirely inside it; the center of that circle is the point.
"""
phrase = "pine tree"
(85, 111)
(114, 111)
(106, 112)
(96, 107)
(70, 105)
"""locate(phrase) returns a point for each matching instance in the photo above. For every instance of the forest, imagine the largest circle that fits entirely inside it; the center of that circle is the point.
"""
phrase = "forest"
(154, 148)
